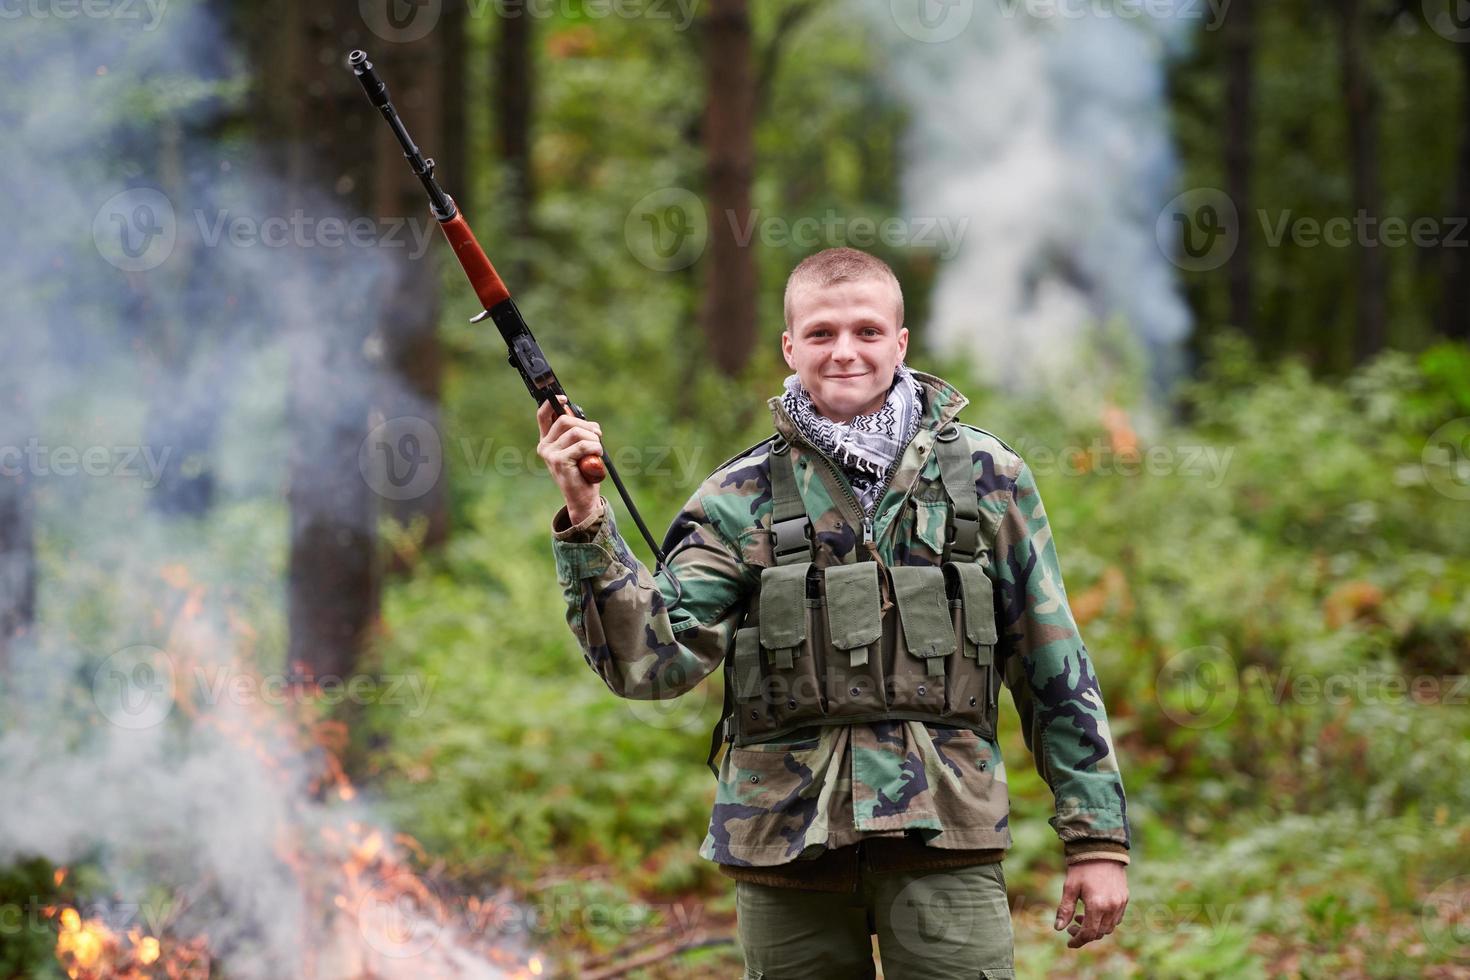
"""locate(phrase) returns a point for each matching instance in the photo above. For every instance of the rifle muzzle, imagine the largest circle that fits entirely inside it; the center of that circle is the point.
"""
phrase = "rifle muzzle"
(377, 91)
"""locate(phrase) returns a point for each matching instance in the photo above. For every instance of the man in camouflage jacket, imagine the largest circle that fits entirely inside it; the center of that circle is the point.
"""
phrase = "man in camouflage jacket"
(819, 809)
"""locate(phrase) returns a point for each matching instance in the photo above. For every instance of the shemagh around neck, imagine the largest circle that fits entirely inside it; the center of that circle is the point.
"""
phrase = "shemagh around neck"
(868, 447)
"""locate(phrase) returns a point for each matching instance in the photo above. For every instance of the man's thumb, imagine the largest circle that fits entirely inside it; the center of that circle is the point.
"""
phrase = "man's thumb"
(1069, 902)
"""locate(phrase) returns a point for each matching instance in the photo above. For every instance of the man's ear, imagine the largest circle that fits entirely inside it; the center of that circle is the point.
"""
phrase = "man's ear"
(903, 342)
(786, 348)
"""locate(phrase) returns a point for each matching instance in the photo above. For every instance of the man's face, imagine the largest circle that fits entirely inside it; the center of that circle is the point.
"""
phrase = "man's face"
(844, 343)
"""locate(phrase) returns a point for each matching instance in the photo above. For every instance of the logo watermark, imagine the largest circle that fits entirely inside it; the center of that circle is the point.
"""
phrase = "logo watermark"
(668, 229)
(403, 457)
(1102, 457)
(1445, 920)
(403, 21)
(39, 459)
(1446, 459)
(1200, 687)
(932, 21)
(135, 229)
(138, 230)
(149, 12)
(1450, 19)
(1212, 12)
(1199, 230)
(138, 687)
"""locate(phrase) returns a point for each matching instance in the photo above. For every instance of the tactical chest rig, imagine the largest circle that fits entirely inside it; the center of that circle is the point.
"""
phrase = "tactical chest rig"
(864, 642)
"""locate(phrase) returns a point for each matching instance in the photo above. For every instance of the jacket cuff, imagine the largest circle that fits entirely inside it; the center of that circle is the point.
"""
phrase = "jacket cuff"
(583, 531)
(583, 550)
(1095, 850)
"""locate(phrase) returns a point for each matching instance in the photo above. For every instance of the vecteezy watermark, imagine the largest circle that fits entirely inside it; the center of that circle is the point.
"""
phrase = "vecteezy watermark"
(937, 914)
(675, 700)
(135, 229)
(1445, 920)
(122, 462)
(138, 687)
(1206, 923)
(1100, 456)
(401, 21)
(1212, 12)
(138, 229)
(1450, 19)
(1198, 230)
(668, 229)
(404, 915)
(1198, 687)
(399, 915)
(302, 230)
(1446, 459)
(402, 458)
(932, 21)
(37, 915)
(833, 228)
(150, 12)
(1362, 230)
(1365, 686)
(679, 12)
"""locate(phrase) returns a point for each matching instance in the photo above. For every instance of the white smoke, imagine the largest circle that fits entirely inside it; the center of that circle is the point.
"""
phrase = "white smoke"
(1044, 127)
(140, 730)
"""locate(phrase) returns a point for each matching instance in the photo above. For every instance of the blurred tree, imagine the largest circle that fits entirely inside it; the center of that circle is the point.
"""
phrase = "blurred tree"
(1454, 303)
(1239, 39)
(512, 103)
(729, 311)
(454, 142)
(1362, 99)
(314, 124)
(408, 317)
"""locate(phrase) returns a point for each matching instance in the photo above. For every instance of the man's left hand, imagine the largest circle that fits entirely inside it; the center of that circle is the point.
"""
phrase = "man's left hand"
(1102, 886)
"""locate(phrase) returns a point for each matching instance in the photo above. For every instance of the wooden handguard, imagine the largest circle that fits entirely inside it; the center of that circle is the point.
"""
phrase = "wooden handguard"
(482, 275)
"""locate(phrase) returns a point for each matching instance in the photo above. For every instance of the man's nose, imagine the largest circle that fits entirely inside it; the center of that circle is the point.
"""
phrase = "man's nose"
(843, 349)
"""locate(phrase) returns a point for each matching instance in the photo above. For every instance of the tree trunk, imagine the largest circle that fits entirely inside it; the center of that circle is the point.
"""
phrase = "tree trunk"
(512, 106)
(1361, 95)
(454, 142)
(1240, 50)
(1454, 308)
(728, 314)
(323, 131)
(410, 445)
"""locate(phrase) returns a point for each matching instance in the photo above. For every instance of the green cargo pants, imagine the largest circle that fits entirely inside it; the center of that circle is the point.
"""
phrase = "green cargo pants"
(931, 925)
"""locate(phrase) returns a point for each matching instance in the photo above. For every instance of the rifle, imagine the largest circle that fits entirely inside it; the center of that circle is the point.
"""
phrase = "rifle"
(525, 355)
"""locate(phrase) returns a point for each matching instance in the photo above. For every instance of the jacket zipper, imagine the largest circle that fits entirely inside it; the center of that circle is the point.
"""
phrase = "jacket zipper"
(842, 484)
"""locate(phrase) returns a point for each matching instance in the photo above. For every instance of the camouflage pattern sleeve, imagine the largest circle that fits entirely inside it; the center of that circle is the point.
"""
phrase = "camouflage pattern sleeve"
(1053, 684)
(620, 613)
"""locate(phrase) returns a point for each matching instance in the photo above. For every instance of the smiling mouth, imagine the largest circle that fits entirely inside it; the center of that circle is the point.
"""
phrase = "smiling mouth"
(844, 377)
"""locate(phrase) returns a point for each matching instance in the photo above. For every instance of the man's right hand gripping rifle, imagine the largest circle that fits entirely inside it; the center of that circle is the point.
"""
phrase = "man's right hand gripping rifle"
(565, 439)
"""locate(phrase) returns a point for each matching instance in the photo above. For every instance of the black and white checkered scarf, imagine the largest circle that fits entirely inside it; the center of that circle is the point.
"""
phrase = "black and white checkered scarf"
(868, 447)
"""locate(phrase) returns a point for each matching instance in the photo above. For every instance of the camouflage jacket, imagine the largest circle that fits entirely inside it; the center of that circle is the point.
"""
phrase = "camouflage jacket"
(832, 785)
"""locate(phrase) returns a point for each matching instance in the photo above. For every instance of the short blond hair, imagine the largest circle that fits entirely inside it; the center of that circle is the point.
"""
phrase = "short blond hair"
(841, 264)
